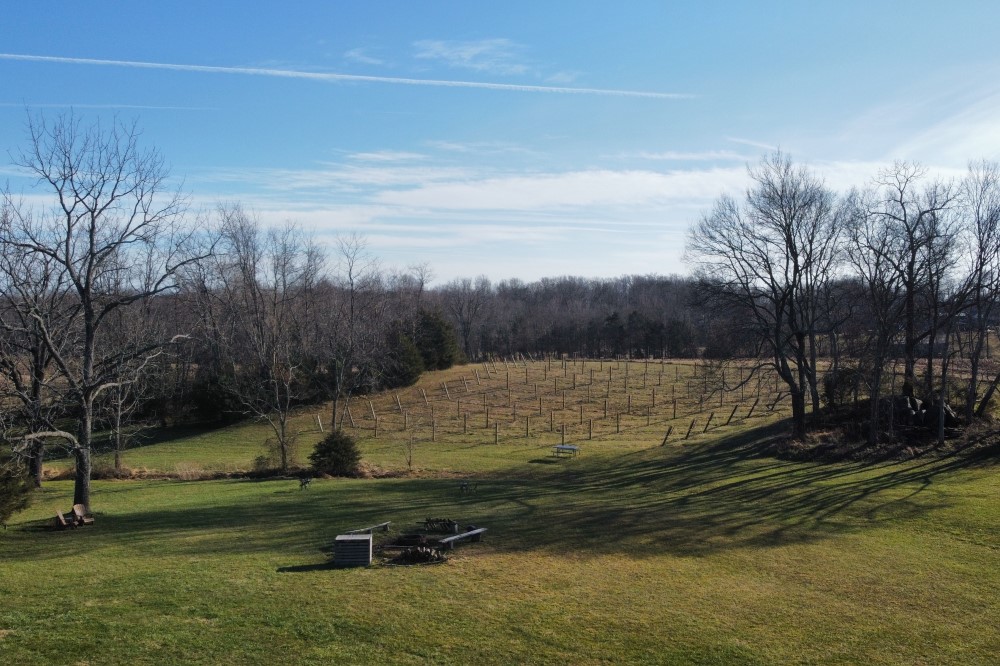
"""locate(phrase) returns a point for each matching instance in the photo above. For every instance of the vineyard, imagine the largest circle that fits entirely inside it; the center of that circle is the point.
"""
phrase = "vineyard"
(560, 401)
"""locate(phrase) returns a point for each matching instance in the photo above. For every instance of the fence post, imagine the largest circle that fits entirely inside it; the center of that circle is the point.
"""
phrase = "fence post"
(670, 429)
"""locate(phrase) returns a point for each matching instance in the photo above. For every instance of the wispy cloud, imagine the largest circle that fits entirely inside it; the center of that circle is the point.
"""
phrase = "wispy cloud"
(359, 55)
(754, 144)
(969, 132)
(334, 77)
(562, 78)
(702, 156)
(573, 190)
(385, 156)
(456, 218)
(495, 56)
(334, 178)
(480, 147)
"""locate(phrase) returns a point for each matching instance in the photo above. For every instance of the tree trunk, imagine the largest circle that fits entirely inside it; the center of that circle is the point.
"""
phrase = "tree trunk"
(799, 414)
(81, 487)
(118, 437)
(813, 379)
(984, 403)
(874, 394)
(944, 390)
(283, 443)
(975, 355)
(35, 463)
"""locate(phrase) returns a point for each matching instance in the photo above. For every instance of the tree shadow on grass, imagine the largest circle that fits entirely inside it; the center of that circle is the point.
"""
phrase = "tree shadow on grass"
(697, 499)
(687, 500)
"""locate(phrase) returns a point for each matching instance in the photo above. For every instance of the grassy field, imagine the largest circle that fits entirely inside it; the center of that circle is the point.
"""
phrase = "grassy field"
(699, 551)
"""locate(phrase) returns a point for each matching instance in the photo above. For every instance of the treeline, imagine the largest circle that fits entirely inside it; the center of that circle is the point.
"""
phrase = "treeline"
(835, 290)
(639, 316)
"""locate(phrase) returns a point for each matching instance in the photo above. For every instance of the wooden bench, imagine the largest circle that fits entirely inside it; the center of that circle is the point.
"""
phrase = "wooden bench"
(61, 521)
(568, 449)
(80, 516)
(473, 535)
(368, 530)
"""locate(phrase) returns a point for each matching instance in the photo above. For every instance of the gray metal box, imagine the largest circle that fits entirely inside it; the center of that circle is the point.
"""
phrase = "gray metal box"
(352, 550)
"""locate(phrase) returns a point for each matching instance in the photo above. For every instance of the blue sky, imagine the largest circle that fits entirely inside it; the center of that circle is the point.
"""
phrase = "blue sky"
(514, 139)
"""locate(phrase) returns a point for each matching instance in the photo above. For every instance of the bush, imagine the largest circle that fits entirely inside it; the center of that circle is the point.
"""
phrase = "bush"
(15, 487)
(336, 455)
(405, 364)
(437, 342)
(839, 387)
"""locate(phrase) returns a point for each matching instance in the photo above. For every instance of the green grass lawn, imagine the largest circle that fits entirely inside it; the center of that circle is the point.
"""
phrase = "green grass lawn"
(700, 551)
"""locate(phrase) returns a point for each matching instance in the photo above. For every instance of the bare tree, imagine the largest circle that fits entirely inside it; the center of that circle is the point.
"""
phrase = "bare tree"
(466, 301)
(871, 249)
(118, 406)
(32, 291)
(917, 233)
(352, 323)
(981, 207)
(770, 256)
(119, 238)
(256, 300)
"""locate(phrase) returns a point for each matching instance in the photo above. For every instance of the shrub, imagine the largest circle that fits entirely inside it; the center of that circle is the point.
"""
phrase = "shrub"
(336, 455)
(437, 341)
(839, 387)
(15, 487)
(404, 362)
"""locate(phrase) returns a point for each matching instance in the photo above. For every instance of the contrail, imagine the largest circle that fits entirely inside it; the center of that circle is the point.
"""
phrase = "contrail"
(327, 76)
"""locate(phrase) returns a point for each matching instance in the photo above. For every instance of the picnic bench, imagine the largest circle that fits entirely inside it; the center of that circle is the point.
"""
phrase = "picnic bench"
(440, 525)
(475, 534)
(568, 449)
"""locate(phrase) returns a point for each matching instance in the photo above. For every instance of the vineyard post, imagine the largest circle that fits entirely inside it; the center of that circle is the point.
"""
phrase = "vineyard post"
(670, 429)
